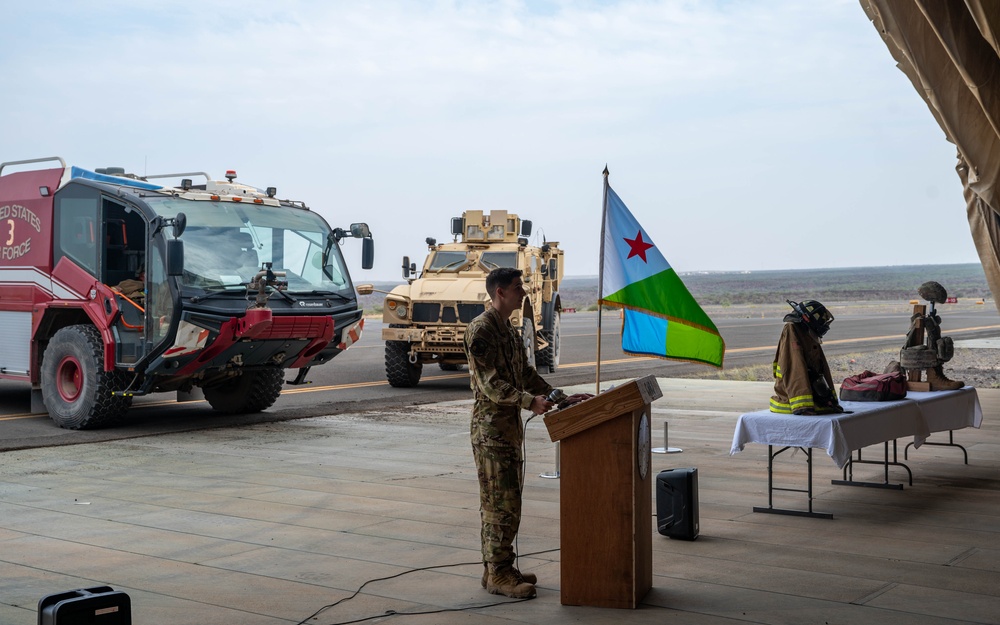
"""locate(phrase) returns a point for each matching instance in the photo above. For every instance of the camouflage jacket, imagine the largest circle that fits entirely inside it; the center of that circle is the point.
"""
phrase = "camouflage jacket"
(501, 378)
(799, 365)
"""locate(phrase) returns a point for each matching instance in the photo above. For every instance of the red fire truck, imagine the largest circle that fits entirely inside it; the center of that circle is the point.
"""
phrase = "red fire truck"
(114, 286)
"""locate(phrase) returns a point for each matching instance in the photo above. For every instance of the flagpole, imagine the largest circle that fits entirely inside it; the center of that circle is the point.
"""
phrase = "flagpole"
(600, 277)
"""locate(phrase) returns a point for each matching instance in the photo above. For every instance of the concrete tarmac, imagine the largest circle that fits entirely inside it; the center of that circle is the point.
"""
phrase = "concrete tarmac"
(274, 523)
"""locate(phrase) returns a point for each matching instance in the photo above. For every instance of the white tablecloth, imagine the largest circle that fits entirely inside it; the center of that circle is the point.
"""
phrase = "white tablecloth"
(949, 410)
(868, 423)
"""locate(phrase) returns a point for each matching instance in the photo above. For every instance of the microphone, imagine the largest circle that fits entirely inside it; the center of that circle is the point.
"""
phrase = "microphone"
(557, 395)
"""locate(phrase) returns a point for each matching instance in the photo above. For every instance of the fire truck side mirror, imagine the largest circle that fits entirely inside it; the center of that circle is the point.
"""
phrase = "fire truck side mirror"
(180, 222)
(175, 257)
(367, 252)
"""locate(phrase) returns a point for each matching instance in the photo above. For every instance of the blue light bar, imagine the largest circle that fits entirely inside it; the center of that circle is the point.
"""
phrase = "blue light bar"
(86, 174)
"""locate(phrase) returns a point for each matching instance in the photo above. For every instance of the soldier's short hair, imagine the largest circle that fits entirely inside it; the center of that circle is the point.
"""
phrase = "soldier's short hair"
(501, 277)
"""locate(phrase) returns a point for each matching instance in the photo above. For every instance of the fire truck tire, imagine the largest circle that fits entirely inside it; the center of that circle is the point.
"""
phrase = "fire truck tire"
(549, 356)
(398, 370)
(253, 391)
(528, 338)
(76, 390)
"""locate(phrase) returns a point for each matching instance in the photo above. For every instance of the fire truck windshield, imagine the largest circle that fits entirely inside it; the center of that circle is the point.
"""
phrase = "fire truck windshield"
(226, 244)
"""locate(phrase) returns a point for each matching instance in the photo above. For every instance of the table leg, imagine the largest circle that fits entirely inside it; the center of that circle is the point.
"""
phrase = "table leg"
(770, 509)
(951, 443)
(885, 462)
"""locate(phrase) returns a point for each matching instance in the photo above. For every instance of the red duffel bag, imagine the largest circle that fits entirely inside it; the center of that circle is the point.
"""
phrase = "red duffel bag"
(871, 386)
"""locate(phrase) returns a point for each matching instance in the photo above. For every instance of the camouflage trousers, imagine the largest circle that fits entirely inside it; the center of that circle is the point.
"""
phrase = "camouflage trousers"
(500, 488)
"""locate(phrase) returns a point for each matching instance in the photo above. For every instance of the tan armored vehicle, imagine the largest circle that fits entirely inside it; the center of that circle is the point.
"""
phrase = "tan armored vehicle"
(425, 319)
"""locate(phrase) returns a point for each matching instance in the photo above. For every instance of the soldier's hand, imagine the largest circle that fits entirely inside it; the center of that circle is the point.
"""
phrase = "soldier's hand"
(540, 405)
(577, 398)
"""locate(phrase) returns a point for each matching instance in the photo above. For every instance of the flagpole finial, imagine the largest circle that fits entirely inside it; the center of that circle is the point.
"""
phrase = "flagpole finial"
(606, 172)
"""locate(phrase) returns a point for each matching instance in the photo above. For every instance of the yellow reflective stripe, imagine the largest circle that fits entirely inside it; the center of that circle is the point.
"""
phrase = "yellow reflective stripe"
(779, 407)
(799, 399)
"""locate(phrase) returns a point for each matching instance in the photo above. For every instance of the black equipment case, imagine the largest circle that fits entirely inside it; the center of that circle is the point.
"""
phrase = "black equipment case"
(677, 503)
(101, 605)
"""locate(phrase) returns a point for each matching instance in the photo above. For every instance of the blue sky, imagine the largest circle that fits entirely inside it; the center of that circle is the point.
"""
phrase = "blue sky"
(742, 135)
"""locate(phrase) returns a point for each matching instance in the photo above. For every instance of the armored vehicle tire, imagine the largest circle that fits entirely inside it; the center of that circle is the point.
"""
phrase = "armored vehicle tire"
(400, 372)
(528, 338)
(76, 390)
(549, 356)
(251, 392)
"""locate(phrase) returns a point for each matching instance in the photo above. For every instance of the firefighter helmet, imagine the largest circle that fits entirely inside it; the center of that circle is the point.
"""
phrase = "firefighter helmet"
(813, 314)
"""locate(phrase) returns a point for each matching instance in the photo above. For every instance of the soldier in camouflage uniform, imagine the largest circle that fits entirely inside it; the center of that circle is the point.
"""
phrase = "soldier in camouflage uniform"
(504, 384)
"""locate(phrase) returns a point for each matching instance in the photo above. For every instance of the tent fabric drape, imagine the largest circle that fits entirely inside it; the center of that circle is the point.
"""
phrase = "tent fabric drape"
(949, 51)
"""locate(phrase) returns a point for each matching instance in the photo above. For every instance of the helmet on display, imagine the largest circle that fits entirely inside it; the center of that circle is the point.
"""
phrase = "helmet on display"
(933, 292)
(813, 314)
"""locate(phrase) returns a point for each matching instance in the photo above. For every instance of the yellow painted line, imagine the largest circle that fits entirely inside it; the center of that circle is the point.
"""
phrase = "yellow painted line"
(340, 387)
(575, 365)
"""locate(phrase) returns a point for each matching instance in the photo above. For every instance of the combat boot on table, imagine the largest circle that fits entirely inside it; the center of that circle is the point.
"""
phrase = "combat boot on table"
(531, 578)
(503, 579)
(940, 382)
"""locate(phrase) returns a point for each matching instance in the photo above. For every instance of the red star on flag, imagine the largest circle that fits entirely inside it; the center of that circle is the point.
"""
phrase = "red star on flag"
(638, 247)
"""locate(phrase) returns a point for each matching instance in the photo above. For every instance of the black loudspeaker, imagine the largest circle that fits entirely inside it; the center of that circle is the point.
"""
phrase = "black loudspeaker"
(101, 605)
(677, 503)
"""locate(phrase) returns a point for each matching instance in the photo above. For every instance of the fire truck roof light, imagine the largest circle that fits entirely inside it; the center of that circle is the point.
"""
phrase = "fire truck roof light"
(230, 174)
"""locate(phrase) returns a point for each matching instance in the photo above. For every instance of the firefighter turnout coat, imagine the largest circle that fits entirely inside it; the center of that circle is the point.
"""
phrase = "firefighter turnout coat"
(802, 380)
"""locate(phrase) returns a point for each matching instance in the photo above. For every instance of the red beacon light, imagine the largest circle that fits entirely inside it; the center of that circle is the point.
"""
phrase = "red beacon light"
(230, 174)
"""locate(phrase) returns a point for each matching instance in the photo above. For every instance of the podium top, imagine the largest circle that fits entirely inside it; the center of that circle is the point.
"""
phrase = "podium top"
(600, 408)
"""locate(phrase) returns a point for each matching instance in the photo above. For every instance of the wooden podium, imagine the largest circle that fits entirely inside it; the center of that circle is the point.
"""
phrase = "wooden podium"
(605, 510)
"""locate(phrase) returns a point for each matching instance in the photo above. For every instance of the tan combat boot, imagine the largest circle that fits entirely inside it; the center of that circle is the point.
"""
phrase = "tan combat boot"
(531, 578)
(940, 382)
(503, 579)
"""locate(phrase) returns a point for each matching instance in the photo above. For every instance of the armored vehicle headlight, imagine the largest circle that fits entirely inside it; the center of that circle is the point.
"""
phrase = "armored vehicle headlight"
(401, 312)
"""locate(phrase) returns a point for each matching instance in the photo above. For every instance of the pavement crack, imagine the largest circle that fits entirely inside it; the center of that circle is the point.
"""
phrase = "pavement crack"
(962, 556)
(419, 477)
(877, 593)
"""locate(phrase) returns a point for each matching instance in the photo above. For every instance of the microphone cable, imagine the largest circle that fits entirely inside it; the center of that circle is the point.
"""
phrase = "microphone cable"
(396, 613)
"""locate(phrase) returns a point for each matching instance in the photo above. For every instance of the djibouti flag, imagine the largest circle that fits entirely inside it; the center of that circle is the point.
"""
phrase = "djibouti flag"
(661, 317)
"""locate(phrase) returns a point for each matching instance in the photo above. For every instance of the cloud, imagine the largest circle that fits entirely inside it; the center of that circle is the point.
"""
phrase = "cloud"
(719, 120)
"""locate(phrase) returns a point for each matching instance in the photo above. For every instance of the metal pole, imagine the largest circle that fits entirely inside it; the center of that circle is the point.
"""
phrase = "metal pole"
(666, 449)
(552, 475)
(600, 280)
